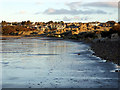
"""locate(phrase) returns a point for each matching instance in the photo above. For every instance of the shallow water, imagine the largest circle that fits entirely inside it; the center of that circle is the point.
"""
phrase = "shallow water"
(49, 63)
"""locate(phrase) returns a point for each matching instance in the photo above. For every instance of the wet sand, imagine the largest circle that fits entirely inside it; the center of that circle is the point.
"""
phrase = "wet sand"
(5, 37)
(108, 50)
(45, 63)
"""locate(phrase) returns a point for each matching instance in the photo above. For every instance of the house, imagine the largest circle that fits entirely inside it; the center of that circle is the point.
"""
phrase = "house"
(94, 23)
(110, 23)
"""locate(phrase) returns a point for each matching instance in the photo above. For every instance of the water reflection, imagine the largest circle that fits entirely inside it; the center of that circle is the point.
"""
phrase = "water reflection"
(45, 62)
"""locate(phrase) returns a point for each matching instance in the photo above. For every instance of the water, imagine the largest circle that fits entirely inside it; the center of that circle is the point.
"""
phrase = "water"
(46, 63)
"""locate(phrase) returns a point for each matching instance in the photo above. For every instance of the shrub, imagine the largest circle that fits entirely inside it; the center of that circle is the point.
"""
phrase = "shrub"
(106, 34)
(115, 29)
(7, 30)
(87, 35)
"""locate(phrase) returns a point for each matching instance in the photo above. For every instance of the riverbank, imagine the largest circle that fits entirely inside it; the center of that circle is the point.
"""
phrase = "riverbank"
(2, 37)
(108, 50)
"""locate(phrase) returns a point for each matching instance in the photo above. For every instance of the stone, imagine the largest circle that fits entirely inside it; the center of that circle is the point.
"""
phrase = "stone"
(114, 36)
(78, 53)
(117, 70)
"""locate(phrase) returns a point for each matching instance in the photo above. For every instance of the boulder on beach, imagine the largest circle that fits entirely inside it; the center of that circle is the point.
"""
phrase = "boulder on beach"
(115, 36)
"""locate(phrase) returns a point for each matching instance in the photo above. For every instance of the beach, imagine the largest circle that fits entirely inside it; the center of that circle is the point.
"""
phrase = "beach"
(45, 62)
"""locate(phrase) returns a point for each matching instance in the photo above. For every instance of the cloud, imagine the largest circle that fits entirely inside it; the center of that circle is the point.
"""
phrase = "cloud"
(22, 12)
(73, 5)
(50, 10)
(77, 5)
(72, 12)
(37, 13)
(39, 3)
(76, 18)
(101, 4)
(66, 19)
(75, 8)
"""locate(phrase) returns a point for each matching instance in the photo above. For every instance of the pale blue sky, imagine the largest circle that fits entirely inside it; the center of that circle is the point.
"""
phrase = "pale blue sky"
(59, 10)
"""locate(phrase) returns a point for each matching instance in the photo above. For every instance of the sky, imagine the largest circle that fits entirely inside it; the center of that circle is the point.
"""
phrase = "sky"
(58, 10)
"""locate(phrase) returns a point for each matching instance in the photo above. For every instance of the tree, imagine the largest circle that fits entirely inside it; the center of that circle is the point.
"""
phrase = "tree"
(115, 29)
(95, 27)
(14, 23)
(111, 23)
(119, 22)
(56, 23)
(50, 22)
(4, 23)
(7, 30)
(28, 22)
(23, 22)
(61, 22)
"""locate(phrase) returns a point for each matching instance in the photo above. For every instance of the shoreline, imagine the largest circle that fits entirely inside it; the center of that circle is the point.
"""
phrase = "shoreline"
(10, 36)
(107, 49)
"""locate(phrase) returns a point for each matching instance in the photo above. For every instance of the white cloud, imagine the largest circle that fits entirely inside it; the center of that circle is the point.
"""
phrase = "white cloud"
(101, 4)
(22, 12)
(73, 5)
(39, 3)
(66, 19)
(72, 11)
(51, 10)
(76, 18)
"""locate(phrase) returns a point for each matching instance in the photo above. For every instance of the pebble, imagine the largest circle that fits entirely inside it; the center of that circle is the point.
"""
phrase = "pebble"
(78, 53)
(117, 70)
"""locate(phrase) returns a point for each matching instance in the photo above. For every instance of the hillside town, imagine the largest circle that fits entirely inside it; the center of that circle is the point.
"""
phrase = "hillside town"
(57, 29)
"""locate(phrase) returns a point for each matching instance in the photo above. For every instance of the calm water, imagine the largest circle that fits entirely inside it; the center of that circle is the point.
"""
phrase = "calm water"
(47, 63)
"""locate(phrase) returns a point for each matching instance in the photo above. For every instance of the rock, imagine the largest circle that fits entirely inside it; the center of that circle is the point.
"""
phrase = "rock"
(78, 53)
(98, 36)
(117, 70)
(115, 36)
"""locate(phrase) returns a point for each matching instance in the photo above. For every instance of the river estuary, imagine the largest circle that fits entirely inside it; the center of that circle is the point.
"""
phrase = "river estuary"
(40, 62)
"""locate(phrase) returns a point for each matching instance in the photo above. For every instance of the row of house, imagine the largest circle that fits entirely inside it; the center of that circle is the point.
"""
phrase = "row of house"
(77, 28)
(59, 28)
